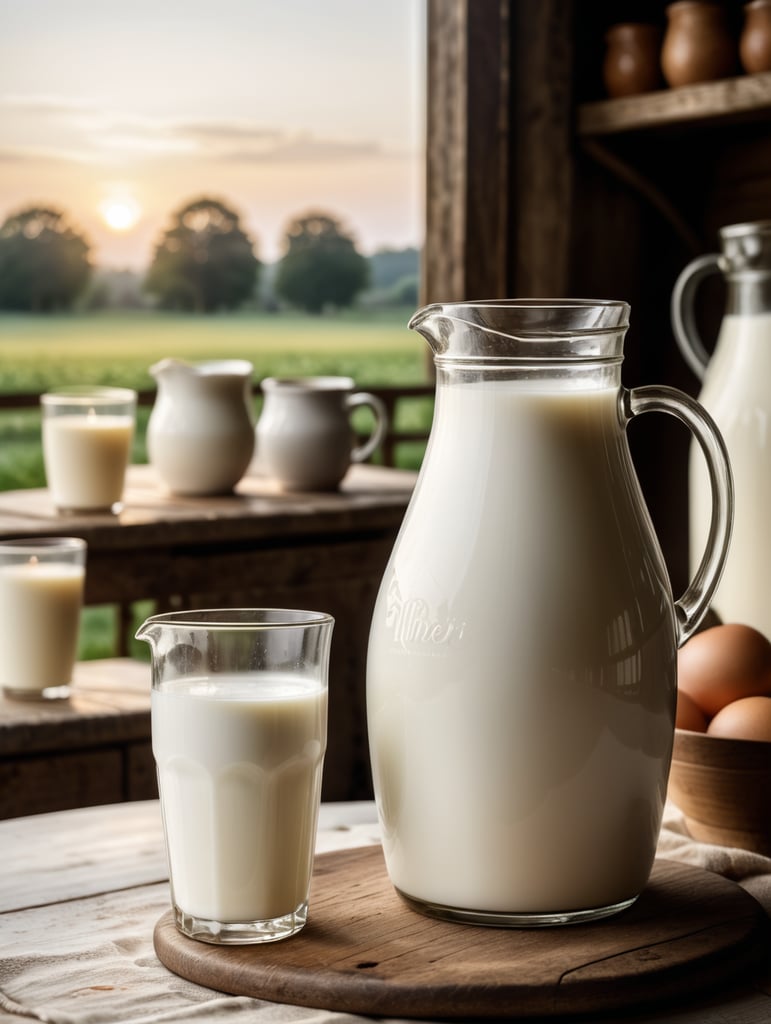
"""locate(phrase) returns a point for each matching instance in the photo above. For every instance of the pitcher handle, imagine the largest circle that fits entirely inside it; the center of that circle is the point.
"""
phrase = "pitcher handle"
(693, 604)
(364, 450)
(683, 319)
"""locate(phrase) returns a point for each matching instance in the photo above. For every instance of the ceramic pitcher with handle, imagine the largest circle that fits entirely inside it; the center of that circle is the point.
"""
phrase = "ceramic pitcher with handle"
(521, 667)
(200, 435)
(305, 440)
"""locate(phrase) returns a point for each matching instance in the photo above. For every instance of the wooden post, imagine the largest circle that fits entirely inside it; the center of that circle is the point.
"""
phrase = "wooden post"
(467, 150)
(499, 165)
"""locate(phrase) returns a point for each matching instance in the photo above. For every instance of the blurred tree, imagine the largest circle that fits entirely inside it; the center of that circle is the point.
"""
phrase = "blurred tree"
(44, 262)
(205, 261)
(321, 266)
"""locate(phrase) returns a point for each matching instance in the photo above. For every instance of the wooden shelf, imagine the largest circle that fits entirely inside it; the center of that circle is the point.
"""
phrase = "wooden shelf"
(731, 100)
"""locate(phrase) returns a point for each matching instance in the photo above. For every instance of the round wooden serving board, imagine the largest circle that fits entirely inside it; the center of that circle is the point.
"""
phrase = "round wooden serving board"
(364, 951)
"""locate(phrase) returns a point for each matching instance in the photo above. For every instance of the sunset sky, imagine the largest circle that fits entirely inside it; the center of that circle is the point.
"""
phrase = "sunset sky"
(119, 113)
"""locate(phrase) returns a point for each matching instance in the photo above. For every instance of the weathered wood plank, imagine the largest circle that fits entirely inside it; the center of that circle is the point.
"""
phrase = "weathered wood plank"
(36, 783)
(370, 499)
(728, 100)
(542, 172)
(82, 852)
(467, 150)
(110, 705)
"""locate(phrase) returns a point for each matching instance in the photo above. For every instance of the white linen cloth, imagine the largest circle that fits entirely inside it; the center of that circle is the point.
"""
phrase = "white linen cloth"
(752, 871)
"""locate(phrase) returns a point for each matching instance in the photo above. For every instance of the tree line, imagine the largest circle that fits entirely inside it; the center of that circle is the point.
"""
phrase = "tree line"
(204, 262)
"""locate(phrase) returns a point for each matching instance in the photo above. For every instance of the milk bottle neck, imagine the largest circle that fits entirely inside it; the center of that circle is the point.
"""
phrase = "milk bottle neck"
(749, 293)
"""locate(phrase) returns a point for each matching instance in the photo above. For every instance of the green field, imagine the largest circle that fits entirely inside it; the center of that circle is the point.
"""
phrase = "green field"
(38, 353)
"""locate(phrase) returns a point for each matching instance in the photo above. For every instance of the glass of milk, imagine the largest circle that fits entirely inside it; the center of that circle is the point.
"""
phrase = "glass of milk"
(239, 730)
(41, 595)
(87, 436)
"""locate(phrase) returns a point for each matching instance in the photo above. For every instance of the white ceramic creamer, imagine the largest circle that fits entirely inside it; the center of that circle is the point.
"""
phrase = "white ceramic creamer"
(200, 435)
(304, 436)
(521, 665)
(736, 390)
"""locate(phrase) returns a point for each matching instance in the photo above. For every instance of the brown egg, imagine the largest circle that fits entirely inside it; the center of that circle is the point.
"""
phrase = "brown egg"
(745, 719)
(689, 714)
(724, 664)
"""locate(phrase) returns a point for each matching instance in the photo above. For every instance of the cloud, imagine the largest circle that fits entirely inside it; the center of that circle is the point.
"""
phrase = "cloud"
(306, 149)
(47, 105)
(228, 131)
(33, 154)
(86, 131)
(249, 142)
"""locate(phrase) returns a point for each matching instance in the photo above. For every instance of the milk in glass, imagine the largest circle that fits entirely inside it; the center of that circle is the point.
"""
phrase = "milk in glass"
(40, 604)
(239, 766)
(86, 458)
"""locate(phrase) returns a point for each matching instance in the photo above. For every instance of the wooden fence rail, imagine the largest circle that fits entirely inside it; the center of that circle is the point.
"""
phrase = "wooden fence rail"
(390, 396)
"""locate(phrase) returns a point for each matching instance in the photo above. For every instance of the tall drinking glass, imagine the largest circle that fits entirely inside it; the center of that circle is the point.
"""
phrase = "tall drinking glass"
(87, 435)
(239, 726)
(41, 595)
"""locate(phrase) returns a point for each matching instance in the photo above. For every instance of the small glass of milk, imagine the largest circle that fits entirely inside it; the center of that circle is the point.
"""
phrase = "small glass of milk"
(239, 731)
(41, 595)
(87, 436)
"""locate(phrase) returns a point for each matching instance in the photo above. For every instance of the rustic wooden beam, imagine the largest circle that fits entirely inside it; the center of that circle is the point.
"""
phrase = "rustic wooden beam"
(541, 180)
(499, 160)
(467, 150)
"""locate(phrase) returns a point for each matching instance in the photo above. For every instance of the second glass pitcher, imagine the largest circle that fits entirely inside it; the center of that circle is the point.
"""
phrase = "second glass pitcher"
(735, 391)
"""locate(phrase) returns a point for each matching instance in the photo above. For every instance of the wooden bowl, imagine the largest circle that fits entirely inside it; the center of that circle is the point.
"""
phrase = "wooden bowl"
(723, 788)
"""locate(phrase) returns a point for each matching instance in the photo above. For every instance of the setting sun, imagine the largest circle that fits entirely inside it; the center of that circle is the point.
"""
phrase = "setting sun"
(119, 214)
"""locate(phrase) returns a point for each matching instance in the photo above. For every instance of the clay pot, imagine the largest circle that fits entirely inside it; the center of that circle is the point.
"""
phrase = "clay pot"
(631, 62)
(755, 38)
(698, 45)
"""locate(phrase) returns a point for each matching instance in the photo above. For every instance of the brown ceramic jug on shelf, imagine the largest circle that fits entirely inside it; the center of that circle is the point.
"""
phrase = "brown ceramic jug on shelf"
(755, 38)
(631, 64)
(698, 44)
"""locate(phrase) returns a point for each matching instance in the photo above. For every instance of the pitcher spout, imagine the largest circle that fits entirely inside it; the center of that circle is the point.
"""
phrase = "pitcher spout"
(436, 326)
(150, 631)
(169, 366)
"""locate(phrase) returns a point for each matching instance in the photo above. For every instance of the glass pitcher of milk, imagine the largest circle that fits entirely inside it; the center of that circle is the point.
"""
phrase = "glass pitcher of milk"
(522, 654)
(736, 390)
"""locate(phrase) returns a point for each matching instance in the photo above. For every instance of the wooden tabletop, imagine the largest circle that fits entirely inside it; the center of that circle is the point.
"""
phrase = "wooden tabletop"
(162, 545)
(370, 497)
(82, 890)
(93, 748)
(109, 701)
